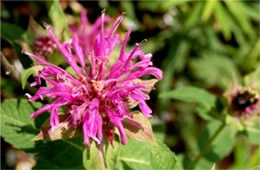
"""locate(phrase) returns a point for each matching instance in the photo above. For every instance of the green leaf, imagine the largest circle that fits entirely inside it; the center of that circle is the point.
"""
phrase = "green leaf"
(138, 128)
(61, 154)
(254, 160)
(253, 134)
(162, 157)
(33, 31)
(159, 129)
(111, 153)
(28, 72)
(222, 144)
(14, 34)
(192, 94)
(56, 58)
(11, 32)
(238, 10)
(214, 70)
(208, 9)
(59, 21)
(17, 128)
(194, 16)
(92, 158)
(175, 62)
(223, 18)
(135, 155)
(253, 78)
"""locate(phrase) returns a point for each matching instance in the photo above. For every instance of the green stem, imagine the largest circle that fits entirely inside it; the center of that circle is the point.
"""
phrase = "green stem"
(207, 147)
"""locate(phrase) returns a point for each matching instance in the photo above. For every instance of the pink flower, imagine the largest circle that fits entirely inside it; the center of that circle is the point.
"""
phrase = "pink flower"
(244, 102)
(97, 98)
(87, 32)
(44, 46)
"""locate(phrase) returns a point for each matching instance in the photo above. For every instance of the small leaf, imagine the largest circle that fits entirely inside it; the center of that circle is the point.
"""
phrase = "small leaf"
(16, 126)
(101, 158)
(138, 128)
(209, 7)
(253, 134)
(33, 31)
(56, 58)
(162, 157)
(223, 18)
(91, 158)
(59, 21)
(192, 94)
(111, 153)
(28, 72)
(62, 131)
(11, 32)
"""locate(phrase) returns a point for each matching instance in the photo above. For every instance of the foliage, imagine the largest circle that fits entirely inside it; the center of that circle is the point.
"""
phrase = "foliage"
(202, 48)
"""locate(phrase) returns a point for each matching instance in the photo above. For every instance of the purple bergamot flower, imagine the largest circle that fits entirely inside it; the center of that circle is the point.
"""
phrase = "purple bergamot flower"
(87, 32)
(44, 46)
(97, 98)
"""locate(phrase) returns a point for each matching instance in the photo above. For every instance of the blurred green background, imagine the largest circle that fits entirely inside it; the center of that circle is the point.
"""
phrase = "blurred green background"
(198, 43)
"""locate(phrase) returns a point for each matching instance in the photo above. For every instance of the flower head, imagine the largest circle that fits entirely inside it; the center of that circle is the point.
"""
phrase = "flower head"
(244, 102)
(44, 46)
(97, 98)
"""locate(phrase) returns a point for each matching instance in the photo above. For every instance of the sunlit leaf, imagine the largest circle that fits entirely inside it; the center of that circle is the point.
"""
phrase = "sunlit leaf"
(59, 21)
(138, 128)
(62, 131)
(94, 159)
(28, 72)
(208, 9)
(17, 128)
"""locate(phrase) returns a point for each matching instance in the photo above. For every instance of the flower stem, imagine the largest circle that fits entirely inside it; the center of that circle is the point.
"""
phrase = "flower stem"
(208, 145)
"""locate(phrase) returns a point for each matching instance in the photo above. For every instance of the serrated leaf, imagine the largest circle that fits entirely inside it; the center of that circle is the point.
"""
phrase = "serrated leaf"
(143, 155)
(192, 94)
(162, 157)
(138, 128)
(16, 126)
(59, 21)
(62, 131)
(28, 72)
